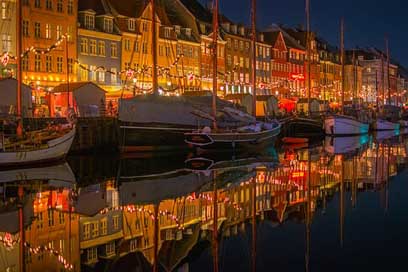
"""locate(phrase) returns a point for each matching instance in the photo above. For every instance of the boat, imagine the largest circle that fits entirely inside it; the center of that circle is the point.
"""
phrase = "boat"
(244, 137)
(343, 125)
(382, 124)
(32, 152)
(294, 140)
(255, 134)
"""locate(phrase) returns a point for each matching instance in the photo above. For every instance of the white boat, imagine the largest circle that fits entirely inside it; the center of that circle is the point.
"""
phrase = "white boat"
(381, 124)
(53, 150)
(342, 125)
(254, 135)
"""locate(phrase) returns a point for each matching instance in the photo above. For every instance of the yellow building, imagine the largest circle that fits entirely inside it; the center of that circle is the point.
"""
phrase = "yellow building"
(44, 23)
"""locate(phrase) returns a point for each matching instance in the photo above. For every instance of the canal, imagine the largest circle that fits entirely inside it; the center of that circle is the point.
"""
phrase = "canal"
(333, 205)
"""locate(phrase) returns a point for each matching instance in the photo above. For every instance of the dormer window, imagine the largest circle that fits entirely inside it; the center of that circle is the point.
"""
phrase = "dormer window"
(261, 37)
(167, 32)
(188, 32)
(234, 29)
(177, 29)
(108, 25)
(89, 21)
(202, 27)
(242, 31)
(131, 24)
(227, 27)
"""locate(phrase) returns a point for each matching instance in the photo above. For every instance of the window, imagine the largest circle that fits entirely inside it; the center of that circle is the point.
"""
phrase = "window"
(133, 245)
(4, 10)
(48, 68)
(24, 63)
(144, 48)
(115, 222)
(131, 24)
(89, 21)
(114, 77)
(6, 43)
(50, 218)
(127, 44)
(37, 3)
(92, 254)
(229, 60)
(92, 47)
(59, 32)
(59, 5)
(108, 25)
(84, 73)
(145, 27)
(236, 44)
(167, 33)
(48, 4)
(69, 33)
(228, 42)
(110, 248)
(61, 217)
(93, 72)
(37, 30)
(101, 48)
(167, 51)
(59, 64)
(114, 50)
(70, 7)
(25, 28)
(160, 50)
(37, 64)
(241, 45)
(84, 46)
(95, 229)
(48, 31)
(70, 66)
(101, 78)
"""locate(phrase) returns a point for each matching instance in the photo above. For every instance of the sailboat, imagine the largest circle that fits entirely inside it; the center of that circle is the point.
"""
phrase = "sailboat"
(252, 135)
(38, 146)
(381, 123)
(343, 125)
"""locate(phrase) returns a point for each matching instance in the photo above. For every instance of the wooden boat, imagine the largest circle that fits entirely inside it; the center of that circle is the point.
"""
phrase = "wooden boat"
(294, 140)
(30, 153)
(342, 125)
(243, 137)
(382, 124)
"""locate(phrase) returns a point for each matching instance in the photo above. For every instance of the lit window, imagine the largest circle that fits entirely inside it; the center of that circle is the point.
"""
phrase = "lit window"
(114, 50)
(48, 31)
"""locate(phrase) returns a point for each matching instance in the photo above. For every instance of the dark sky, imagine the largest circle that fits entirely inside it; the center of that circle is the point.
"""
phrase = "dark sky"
(367, 21)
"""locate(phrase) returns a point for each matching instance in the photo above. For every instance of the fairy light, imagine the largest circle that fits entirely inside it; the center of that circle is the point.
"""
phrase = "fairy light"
(47, 249)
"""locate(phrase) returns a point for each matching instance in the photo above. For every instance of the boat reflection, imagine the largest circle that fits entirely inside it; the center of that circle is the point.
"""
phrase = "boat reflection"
(202, 212)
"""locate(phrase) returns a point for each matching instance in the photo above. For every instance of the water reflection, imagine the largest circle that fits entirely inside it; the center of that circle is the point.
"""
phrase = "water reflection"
(191, 213)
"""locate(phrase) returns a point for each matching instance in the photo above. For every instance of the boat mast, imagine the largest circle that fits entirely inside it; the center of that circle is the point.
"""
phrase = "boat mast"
(253, 26)
(354, 76)
(254, 224)
(215, 61)
(308, 40)
(19, 73)
(155, 84)
(388, 70)
(342, 63)
(67, 67)
(215, 223)
(21, 227)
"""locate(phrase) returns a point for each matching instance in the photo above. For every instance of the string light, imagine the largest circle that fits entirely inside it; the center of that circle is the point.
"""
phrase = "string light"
(40, 249)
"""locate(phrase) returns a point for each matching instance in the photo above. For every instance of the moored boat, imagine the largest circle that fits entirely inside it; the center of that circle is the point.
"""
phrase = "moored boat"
(255, 136)
(342, 125)
(30, 153)
(403, 123)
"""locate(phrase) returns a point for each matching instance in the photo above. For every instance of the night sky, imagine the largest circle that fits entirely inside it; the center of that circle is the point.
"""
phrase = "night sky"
(367, 21)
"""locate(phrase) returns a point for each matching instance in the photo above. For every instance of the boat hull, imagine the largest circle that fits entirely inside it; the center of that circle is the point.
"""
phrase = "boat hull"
(234, 140)
(381, 124)
(403, 123)
(142, 138)
(344, 145)
(344, 126)
(57, 150)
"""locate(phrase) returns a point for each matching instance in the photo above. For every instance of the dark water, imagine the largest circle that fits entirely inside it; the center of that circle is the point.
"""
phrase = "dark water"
(336, 205)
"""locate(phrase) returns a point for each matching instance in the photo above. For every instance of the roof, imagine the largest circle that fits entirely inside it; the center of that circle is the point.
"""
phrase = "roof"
(199, 11)
(95, 5)
(74, 86)
(133, 9)
(290, 41)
